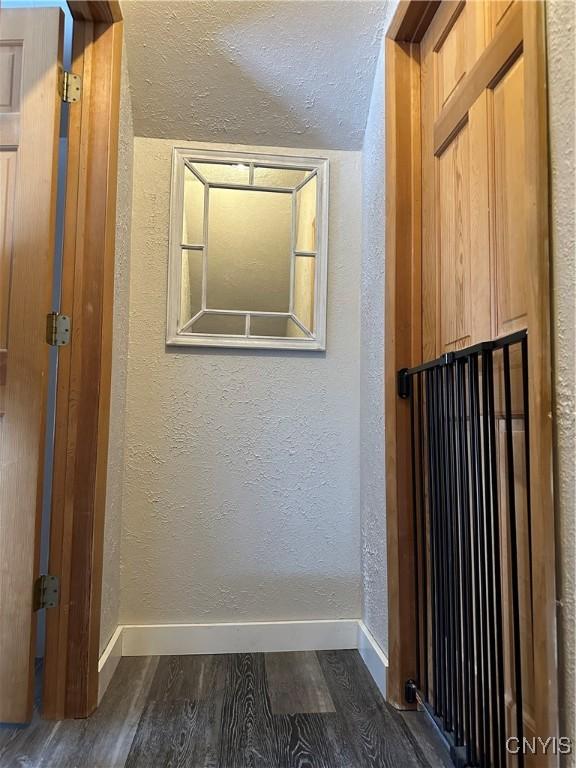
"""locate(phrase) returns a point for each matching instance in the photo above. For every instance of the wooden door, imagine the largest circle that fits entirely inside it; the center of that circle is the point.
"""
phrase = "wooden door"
(485, 274)
(30, 56)
(474, 208)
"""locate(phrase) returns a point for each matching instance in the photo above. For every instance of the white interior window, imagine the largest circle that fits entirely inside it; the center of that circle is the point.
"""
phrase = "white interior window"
(248, 251)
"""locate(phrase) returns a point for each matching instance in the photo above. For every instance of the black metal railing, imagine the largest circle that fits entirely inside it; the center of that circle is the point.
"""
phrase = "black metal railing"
(468, 474)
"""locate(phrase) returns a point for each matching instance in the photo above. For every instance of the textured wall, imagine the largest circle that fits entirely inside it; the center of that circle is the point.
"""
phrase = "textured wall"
(112, 525)
(294, 74)
(372, 481)
(561, 67)
(241, 486)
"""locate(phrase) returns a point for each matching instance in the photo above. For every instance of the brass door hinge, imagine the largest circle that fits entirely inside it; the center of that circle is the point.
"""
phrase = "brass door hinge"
(57, 329)
(46, 592)
(70, 87)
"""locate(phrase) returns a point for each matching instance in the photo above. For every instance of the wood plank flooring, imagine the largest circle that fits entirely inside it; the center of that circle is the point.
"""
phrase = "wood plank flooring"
(278, 710)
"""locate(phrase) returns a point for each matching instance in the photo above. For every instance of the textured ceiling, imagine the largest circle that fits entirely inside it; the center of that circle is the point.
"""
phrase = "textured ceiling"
(294, 73)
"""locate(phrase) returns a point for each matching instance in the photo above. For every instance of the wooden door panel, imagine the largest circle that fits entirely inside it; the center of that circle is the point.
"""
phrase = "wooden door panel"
(462, 241)
(10, 92)
(494, 300)
(456, 37)
(480, 293)
(30, 47)
(452, 60)
(495, 11)
(456, 296)
(454, 242)
(7, 185)
(509, 210)
(476, 277)
(524, 581)
(430, 288)
(501, 86)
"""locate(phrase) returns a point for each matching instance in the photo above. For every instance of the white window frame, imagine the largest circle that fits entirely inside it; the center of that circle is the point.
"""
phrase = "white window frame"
(177, 332)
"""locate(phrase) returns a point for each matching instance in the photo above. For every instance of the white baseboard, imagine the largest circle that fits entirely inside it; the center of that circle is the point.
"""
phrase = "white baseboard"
(373, 656)
(249, 637)
(109, 661)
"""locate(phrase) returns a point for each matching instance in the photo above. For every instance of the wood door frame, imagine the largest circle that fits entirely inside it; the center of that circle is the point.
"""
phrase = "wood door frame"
(404, 342)
(84, 376)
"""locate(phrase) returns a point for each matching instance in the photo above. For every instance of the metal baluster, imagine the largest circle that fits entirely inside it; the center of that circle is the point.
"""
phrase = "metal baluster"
(495, 586)
(444, 566)
(423, 536)
(457, 547)
(414, 468)
(479, 557)
(456, 537)
(432, 477)
(467, 590)
(489, 632)
(526, 409)
(449, 552)
(513, 551)
(440, 560)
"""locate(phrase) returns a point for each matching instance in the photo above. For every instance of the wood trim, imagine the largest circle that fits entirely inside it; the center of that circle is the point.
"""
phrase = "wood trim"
(505, 46)
(107, 11)
(442, 23)
(403, 345)
(239, 637)
(540, 371)
(411, 20)
(62, 520)
(83, 395)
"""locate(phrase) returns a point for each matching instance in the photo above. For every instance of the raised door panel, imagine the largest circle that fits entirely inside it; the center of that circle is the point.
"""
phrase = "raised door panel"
(456, 297)
(7, 188)
(462, 222)
(509, 209)
(484, 275)
(10, 77)
(454, 242)
(10, 92)
(452, 57)
(429, 260)
(10, 96)
(496, 10)
(458, 37)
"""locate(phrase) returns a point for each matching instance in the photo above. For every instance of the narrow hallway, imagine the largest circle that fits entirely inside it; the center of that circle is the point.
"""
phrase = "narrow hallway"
(287, 384)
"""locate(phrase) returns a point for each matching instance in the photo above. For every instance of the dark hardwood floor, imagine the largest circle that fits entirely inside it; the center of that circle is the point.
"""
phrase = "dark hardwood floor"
(276, 710)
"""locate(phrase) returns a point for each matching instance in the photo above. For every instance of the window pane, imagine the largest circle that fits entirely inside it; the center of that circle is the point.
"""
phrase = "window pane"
(304, 287)
(226, 325)
(268, 326)
(306, 217)
(193, 216)
(190, 286)
(249, 240)
(278, 177)
(222, 173)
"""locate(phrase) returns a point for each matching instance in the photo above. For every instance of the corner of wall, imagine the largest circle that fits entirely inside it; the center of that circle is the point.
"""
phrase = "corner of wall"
(372, 459)
(561, 24)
